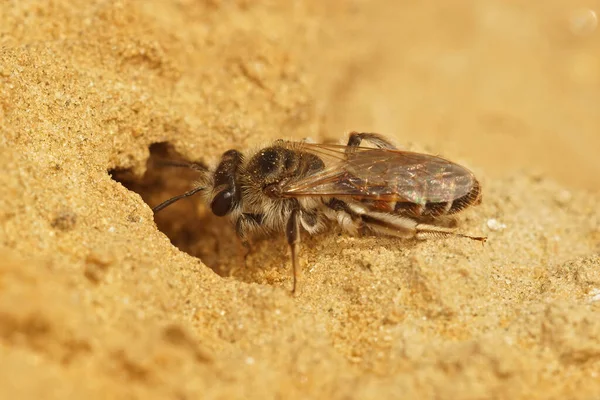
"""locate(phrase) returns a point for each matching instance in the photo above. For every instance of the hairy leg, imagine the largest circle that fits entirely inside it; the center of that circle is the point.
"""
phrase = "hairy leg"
(346, 217)
(403, 227)
(389, 224)
(246, 223)
(375, 139)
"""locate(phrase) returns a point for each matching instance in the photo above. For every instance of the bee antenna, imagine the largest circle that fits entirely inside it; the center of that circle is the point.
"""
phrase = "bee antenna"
(191, 165)
(172, 200)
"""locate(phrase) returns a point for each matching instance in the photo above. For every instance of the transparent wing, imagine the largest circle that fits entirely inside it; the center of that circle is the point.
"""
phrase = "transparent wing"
(382, 174)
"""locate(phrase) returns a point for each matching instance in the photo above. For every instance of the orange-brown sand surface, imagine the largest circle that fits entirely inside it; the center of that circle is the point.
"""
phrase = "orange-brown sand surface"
(99, 300)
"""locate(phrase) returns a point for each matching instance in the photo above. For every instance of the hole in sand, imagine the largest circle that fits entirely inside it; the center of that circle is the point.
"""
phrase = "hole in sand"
(188, 223)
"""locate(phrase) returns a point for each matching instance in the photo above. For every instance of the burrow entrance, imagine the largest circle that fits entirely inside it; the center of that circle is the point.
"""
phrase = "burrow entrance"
(192, 227)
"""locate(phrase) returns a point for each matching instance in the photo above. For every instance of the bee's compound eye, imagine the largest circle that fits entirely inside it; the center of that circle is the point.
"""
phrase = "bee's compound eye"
(222, 203)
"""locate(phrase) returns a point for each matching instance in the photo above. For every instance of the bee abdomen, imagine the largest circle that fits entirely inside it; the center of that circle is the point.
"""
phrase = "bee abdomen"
(470, 199)
(437, 209)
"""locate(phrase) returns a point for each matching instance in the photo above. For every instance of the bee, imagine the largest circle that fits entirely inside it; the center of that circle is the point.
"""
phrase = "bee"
(290, 187)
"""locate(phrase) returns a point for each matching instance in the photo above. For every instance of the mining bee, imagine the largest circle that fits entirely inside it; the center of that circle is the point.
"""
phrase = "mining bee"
(377, 189)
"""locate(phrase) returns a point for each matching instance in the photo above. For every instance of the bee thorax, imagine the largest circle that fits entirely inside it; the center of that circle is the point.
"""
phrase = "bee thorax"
(273, 191)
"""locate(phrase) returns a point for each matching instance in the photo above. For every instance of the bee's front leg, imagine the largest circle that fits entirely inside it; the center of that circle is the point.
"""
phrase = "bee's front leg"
(245, 225)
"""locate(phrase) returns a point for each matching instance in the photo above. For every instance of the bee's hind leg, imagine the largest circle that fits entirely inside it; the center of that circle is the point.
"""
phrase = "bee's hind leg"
(402, 227)
(357, 218)
(375, 139)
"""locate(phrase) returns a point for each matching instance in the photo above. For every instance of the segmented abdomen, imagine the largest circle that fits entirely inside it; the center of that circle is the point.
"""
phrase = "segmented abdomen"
(427, 208)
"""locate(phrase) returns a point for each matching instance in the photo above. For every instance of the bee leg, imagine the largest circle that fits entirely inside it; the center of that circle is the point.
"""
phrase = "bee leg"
(245, 224)
(292, 232)
(390, 224)
(375, 139)
(349, 220)
(340, 205)
(424, 231)
(310, 221)
(402, 227)
(247, 251)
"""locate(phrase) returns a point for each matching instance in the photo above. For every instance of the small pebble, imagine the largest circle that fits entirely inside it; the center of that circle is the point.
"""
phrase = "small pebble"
(563, 197)
(495, 225)
(594, 295)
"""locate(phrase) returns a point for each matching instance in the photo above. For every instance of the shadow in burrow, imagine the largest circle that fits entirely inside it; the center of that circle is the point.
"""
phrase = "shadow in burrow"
(191, 226)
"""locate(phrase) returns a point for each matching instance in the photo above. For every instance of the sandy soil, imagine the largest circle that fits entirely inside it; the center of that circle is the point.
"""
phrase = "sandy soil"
(96, 301)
